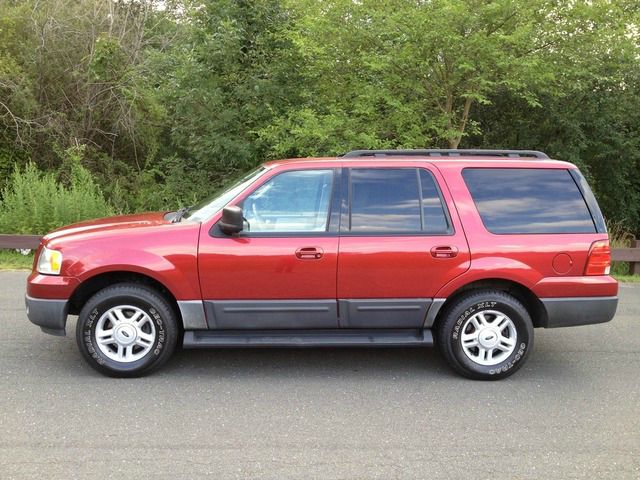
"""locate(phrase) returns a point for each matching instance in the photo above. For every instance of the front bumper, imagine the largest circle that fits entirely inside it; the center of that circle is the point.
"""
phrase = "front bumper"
(574, 311)
(47, 301)
(49, 314)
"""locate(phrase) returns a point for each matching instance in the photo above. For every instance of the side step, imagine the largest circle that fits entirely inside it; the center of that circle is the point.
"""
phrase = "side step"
(307, 338)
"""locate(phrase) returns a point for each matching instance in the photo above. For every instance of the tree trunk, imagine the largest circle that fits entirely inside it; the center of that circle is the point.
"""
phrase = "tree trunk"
(455, 141)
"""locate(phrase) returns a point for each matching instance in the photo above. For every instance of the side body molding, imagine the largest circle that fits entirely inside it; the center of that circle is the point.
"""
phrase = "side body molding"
(310, 314)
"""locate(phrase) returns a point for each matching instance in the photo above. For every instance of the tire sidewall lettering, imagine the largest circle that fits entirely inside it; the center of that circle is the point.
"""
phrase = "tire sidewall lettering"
(88, 333)
(510, 363)
(517, 356)
(467, 313)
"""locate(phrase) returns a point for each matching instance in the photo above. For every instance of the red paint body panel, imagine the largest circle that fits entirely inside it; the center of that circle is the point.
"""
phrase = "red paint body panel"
(51, 286)
(593, 286)
(396, 267)
(267, 268)
(194, 265)
(145, 244)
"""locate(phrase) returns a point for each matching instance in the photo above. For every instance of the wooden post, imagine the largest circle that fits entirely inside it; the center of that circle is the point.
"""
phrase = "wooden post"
(634, 267)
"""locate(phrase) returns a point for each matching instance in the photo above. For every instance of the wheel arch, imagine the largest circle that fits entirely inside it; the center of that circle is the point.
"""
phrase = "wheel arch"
(529, 299)
(94, 284)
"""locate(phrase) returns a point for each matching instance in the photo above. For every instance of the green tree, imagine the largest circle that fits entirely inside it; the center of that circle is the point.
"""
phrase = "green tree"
(224, 81)
(72, 72)
(410, 73)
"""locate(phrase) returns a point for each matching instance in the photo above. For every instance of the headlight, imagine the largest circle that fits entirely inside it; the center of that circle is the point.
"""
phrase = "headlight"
(49, 262)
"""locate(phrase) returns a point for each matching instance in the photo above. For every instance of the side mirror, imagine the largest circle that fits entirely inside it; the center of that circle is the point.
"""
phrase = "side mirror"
(232, 220)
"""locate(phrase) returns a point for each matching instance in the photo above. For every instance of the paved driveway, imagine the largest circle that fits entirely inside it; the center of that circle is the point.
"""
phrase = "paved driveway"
(572, 412)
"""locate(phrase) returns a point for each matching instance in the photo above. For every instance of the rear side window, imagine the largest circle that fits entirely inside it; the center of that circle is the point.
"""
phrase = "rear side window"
(435, 219)
(527, 200)
(396, 200)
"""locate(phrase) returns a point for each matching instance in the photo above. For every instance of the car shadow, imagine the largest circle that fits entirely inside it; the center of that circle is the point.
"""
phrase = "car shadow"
(362, 363)
(308, 362)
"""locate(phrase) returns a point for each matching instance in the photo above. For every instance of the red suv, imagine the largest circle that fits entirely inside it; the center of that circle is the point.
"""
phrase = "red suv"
(470, 249)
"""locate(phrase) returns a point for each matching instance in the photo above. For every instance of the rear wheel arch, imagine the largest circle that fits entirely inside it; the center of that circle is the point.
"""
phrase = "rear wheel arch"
(529, 299)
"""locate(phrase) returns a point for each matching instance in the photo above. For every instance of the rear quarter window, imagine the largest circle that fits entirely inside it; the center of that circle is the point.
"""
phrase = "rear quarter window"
(528, 200)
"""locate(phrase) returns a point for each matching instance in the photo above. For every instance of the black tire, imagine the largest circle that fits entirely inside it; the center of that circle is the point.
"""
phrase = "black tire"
(161, 321)
(460, 316)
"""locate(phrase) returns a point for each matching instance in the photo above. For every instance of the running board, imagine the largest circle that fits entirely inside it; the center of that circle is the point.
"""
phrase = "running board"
(307, 338)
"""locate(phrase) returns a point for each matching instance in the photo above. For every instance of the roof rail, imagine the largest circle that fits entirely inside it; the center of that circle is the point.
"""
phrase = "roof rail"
(435, 152)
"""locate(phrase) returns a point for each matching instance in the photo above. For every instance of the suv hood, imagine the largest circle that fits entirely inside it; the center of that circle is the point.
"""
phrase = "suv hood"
(108, 224)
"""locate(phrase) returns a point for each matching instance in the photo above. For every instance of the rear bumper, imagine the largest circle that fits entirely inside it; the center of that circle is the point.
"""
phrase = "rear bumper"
(574, 311)
(49, 314)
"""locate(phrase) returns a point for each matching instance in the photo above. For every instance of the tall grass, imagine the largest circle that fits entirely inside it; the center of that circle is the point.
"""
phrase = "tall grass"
(36, 202)
(619, 238)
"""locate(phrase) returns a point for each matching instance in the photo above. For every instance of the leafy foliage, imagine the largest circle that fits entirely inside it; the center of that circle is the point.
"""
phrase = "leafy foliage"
(162, 101)
(35, 202)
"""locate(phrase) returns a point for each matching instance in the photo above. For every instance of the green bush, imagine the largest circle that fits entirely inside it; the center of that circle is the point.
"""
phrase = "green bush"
(36, 202)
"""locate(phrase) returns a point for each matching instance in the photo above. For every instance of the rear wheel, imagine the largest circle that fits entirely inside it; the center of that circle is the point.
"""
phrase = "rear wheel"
(126, 330)
(486, 335)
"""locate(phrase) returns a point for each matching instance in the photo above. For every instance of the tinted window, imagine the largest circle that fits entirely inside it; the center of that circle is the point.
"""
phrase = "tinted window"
(594, 208)
(523, 200)
(395, 200)
(435, 220)
(385, 200)
(296, 201)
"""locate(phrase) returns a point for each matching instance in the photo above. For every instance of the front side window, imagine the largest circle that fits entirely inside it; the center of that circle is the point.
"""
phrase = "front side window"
(396, 200)
(294, 201)
(528, 200)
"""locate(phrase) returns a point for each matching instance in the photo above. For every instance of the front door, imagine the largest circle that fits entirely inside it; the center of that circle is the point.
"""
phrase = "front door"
(280, 272)
(399, 245)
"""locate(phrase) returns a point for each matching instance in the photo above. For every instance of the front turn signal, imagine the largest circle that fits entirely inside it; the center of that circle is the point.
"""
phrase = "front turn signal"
(49, 262)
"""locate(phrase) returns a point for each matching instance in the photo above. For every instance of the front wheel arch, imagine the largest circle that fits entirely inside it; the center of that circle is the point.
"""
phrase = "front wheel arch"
(93, 285)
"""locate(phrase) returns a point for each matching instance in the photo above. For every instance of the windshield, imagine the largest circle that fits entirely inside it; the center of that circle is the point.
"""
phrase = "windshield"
(207, 208)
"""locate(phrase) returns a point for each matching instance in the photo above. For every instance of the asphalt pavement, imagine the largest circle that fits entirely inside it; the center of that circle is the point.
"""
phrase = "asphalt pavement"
(573, 411)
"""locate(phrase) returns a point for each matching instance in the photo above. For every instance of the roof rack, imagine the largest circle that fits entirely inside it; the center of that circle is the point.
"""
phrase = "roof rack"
(430, 152)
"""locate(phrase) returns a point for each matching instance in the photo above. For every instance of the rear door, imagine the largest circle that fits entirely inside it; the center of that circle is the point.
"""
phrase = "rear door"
(400, 241)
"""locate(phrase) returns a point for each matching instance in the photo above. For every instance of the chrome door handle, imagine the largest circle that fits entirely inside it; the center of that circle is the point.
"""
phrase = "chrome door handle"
(309, 253)
(444, 251)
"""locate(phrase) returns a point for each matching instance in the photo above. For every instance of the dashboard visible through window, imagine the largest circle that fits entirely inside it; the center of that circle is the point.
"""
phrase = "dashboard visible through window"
(293, 201)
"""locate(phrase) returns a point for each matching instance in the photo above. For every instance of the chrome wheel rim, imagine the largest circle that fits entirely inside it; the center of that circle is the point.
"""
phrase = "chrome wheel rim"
(125, 333)
(488, 337)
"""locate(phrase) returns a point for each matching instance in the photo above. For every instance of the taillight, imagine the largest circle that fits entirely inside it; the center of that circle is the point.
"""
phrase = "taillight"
(599, 261)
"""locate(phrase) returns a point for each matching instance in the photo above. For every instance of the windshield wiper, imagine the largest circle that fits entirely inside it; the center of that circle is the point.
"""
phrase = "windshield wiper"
(179, 214)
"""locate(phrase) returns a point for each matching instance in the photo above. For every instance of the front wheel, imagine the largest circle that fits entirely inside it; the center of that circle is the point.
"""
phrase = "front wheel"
(126, 330)
(486, 335)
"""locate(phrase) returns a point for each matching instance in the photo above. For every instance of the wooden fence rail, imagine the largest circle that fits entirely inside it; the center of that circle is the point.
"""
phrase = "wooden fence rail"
(631, 255)
(20, 241)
